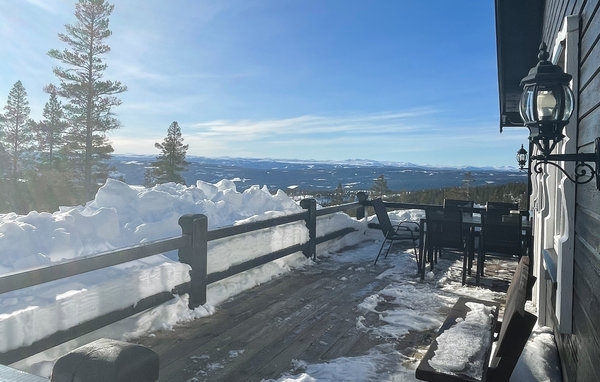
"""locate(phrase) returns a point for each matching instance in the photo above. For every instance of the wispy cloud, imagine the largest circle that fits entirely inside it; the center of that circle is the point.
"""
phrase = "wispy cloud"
(410, 135)
(43, 4)
(131, 70)
(308, 125)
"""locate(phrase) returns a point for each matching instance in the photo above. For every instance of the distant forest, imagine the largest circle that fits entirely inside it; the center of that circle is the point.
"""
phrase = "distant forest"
(22, 197)
(510, 192)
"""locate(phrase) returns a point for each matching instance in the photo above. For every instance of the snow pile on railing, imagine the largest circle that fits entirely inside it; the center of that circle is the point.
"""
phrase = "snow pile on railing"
(122, 215)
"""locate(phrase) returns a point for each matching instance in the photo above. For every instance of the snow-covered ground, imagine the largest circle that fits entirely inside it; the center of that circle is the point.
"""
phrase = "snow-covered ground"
(122, 215)
(407, 304)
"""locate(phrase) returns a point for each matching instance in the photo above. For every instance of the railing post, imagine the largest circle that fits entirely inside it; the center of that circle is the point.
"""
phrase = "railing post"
(311, 224)
(362, 199)
(195, 225)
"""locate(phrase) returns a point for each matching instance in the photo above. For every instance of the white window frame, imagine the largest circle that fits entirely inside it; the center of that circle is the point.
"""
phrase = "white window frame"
(562, 235)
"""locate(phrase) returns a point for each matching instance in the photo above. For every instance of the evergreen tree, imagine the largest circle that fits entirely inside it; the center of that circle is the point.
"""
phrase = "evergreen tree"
(380, 186)
(171, 161)
(50, 132)
(17, 136)
(90, 98)
(149, 180)
(338, 195)
(467, 182)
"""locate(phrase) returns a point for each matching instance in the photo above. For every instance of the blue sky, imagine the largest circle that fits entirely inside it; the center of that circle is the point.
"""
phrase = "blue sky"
(407, 81)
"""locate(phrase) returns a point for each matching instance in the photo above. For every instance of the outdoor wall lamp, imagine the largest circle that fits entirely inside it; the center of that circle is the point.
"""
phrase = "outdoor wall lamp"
(546, 106)
(522, 157)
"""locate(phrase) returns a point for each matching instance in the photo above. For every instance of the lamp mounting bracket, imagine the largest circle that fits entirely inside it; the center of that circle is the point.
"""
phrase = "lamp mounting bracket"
(584, 172)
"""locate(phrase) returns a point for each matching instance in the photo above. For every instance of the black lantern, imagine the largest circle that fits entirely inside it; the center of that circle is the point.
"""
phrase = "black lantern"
(546, 103)
(546, 106)
(522, 158)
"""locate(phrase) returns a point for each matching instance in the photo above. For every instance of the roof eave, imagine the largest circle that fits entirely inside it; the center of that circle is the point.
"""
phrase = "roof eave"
(518, 35)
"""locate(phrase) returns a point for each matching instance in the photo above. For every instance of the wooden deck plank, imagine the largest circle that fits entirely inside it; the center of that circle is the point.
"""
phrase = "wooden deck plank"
(232, 319)
(259, 333)
(308, 315)
(311, 339)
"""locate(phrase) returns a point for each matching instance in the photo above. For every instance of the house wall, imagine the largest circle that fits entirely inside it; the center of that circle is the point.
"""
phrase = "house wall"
(580, 349)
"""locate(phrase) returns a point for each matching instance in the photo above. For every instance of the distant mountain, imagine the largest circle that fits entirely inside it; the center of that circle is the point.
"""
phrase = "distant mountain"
(353, 174)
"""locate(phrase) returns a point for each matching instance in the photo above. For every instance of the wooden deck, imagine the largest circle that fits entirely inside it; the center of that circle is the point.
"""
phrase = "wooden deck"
(309, 315)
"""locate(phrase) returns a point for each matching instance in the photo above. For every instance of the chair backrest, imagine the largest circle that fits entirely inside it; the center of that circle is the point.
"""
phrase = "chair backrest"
(495, 211)
(501, 206)
(444, 227)
(456, 203)
(516, 327)
(384, 220)
(501, 233)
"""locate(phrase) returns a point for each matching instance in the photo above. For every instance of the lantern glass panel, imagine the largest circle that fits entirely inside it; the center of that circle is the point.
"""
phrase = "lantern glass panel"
(568, 94)
(526, 104)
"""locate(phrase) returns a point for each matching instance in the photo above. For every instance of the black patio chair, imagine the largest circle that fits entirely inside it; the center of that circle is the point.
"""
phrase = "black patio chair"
(501, 234)
(402, 231)
(466, 206)
(444, 230)
(503, 207)
(496, 212)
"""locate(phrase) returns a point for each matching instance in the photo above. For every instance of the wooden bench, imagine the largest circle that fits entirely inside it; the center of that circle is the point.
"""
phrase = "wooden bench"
(462, 348)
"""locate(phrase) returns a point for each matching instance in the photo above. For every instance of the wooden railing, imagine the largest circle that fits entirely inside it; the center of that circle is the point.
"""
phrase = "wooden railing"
(192, 246)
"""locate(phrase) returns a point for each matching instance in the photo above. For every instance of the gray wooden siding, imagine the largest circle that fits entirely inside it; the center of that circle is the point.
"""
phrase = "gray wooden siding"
(580, 351)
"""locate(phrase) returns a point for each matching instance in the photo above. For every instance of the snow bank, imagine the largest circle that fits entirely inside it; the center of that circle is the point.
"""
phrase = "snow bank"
(122, 215)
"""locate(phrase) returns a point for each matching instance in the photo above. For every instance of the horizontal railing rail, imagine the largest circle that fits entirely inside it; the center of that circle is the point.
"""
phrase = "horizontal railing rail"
(257, 261)
(340, 208)
(221, 233)
(192, 246)
(20, 280)
(412, 206)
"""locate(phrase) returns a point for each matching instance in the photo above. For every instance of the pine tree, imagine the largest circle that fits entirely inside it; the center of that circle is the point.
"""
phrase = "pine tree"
(17, 136)
(171, 161)
(90, 98)
(149, 180)
(338, 195)
(380, 186)
(467, 182)
(50, 132)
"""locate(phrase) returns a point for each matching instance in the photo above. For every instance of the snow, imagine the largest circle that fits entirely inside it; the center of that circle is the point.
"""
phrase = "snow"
(539, 360)
(123, 215)
(461, 348)
(370, 367)
(416, 306)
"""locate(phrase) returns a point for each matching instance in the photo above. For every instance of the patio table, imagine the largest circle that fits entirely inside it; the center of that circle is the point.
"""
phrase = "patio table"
(471, 223)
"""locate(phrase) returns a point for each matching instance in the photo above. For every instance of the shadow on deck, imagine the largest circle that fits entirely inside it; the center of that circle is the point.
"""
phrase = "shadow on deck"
(314, 315)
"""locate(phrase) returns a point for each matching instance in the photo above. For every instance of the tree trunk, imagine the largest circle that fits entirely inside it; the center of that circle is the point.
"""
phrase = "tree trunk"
(89, 119)
(16, 145)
